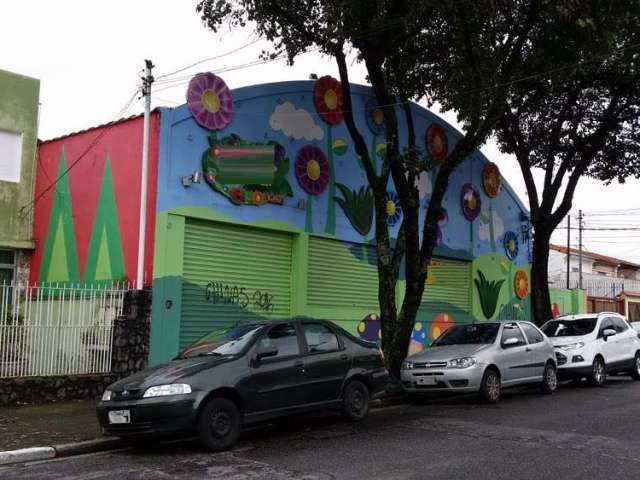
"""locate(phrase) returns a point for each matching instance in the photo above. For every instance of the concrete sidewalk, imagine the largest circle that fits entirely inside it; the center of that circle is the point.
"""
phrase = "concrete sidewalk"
(49, 424)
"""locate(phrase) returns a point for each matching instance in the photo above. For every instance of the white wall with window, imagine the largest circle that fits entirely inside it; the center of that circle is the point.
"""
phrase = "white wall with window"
(7, 266)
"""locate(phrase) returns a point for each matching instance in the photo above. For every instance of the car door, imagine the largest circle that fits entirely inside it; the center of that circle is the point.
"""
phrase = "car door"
(539, 347)
(276, 382)
(517, 359)
(608, 348)
(326, 362)
(625, 344)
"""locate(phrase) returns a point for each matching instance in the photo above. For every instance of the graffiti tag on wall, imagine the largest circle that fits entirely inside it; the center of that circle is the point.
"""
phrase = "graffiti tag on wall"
(226, 294)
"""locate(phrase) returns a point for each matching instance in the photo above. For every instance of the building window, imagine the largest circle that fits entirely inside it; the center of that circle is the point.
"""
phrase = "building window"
(11, 154)
(7, 266)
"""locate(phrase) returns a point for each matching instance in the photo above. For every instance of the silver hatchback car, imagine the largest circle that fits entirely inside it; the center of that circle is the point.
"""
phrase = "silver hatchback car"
(483, 358)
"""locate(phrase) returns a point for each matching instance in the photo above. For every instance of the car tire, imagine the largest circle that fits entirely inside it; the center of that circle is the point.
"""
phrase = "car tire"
(598, 375)
(490, 388)
(635, 371)
(549, 379)
(355, 401)
(218, 424)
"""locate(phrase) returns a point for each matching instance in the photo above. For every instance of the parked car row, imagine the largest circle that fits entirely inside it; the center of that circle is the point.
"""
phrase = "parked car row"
(258, 371)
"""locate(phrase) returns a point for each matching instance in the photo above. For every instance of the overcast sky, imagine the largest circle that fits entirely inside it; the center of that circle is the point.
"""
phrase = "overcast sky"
(88, 55)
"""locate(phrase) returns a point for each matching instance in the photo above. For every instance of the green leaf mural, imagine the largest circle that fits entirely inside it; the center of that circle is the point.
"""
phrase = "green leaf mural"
(60, 256)
(357, 206)
(105, 261)
(488, 291)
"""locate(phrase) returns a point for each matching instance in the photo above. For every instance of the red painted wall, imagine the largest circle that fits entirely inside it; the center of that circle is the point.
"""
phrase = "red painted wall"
(122, 142)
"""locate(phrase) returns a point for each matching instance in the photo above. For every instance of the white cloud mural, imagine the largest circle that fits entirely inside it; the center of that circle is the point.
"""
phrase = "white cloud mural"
(295, 122)
(484, 232)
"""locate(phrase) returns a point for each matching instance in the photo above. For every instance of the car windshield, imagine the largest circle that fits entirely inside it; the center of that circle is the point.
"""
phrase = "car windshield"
(468, 334)
(222, 342)
(569, 328)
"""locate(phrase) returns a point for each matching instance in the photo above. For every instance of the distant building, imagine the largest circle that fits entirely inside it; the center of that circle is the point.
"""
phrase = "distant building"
(18, 141)
(609, 282)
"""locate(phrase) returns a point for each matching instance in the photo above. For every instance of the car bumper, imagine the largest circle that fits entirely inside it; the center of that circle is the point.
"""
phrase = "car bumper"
(446, 379)
(570, 367)
(161, 416)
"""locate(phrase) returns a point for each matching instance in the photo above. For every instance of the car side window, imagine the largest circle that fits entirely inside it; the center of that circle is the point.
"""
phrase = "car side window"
(606, 323)
(320, 338)
(511, 330)
(619, 324)
(284, 337)
(532, 333)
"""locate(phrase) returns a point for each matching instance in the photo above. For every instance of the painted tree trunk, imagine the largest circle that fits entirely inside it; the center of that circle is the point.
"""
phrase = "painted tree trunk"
(330, 227)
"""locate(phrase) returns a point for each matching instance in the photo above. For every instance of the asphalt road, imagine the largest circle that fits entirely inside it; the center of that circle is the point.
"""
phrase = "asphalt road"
(578, 433)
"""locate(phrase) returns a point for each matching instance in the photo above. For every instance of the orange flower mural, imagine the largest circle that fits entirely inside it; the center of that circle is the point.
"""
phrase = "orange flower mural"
(440, 323)
(491, 180)
(521, 284)
(437, 142)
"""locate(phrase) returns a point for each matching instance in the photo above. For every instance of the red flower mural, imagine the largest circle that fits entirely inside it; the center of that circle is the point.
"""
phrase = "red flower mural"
(440, 324)
(521, 284)
(437, 143)
(491, 179)
(329, 99)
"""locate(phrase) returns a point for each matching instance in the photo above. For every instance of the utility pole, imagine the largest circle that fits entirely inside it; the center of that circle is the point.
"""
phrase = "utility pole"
(568, 250)
(580, 249)
(147, 80)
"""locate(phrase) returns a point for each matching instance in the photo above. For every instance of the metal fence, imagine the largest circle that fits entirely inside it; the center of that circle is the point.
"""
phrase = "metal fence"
(598, 285)
(48, 330)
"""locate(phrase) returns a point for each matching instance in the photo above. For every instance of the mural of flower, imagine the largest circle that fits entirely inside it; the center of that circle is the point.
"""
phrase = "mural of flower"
(369, 328)
(258, 198)
(393, 208)
(236, 195)
(491, 179)
(329, 99)
(510, 241)
(521, 284)
(210, 101)
(470, 199)
(440, 324)
(437, 143)
(374, 116)
(312, 169)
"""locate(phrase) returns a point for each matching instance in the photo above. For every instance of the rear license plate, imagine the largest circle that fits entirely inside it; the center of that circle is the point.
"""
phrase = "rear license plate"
(427, 380)
(119, 416)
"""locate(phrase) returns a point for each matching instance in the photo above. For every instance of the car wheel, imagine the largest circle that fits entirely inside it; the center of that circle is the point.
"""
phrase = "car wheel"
(218, 425)
(598, 375)
(549, 379)
(490, 389)
(355, 401)
(635, 373)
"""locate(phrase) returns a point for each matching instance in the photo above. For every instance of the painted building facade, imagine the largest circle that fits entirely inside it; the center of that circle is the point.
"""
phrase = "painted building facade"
(86, 224)
(18, 137)
(281, 223)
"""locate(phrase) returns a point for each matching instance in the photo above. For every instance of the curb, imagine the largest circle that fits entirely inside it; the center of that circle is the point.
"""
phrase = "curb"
(65, 450)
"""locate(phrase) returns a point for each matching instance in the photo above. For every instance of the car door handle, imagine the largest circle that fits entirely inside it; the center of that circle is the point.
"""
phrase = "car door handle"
(344, 357)
(528, 349)
(299, 364)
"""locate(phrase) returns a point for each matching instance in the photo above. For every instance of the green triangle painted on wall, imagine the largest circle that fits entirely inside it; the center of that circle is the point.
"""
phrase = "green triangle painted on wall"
(105, 261)
(60, 256)
(103, 264)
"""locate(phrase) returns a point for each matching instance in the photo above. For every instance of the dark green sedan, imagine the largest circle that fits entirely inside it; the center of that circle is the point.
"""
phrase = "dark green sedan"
(249, 373)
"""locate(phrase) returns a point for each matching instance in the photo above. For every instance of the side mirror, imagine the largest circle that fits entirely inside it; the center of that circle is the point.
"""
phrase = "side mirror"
(264, 353)
(510, 342)
(608, 332)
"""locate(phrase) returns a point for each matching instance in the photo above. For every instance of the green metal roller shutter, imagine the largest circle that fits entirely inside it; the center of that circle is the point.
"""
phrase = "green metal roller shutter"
(448, 283)
(232, 273)
(341, 274)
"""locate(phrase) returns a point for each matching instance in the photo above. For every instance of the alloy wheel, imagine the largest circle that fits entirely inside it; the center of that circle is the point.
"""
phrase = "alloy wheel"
(598, 371)
(220, 423)
(357, 400)
(551, 378)
(493, 386)
(638, 364)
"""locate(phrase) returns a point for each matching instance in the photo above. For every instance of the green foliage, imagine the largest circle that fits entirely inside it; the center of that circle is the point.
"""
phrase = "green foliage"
(488, 291)
(357, 206)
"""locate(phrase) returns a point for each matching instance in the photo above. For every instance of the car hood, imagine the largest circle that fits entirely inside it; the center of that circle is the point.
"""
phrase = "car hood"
(560, 341)
(448, 352)
(167, 373)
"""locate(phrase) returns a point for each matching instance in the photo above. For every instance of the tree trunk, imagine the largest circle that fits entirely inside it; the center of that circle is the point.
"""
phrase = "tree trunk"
(540, 300)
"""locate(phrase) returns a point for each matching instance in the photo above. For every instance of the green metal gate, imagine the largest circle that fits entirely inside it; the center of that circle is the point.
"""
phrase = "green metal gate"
(232, 274)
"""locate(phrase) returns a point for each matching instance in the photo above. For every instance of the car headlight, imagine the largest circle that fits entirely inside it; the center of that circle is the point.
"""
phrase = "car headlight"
(464, 362)
(407, 365)
(106, 396)
(162, 390)
(571, 346)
